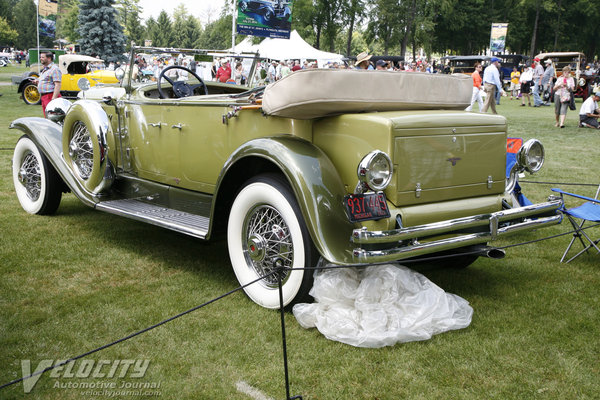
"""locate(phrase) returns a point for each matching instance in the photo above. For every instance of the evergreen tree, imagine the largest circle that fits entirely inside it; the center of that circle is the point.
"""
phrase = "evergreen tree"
(129, 17)
(101, 33)
(151, 30)
(164, 34)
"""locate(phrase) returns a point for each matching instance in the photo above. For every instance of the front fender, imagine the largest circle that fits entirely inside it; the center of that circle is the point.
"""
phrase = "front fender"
(47, 136)
(24, 83)
(316, 185)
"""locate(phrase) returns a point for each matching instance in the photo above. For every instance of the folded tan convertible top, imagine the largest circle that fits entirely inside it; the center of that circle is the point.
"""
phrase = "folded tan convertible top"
(316, 93)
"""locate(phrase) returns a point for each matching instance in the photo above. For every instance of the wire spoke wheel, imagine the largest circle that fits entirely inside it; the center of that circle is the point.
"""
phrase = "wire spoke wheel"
(37, 184)
(265, 232)
(267, 242)
(81, 150)
(30, 176)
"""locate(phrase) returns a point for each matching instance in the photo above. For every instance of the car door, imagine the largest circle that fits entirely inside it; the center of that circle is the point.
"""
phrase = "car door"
(152, 147)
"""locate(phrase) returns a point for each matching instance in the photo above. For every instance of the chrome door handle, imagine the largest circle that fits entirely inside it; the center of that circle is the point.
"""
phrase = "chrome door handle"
(178, 126)
(156, 125)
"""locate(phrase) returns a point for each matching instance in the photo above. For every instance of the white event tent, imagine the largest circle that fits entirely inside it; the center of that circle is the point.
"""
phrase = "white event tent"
(293, 48)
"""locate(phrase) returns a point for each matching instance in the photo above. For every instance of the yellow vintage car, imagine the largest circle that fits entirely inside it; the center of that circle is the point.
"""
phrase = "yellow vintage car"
(73, 68)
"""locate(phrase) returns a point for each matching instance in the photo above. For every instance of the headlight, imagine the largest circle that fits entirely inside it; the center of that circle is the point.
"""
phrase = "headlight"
(375, 170)
(83, 84)
(531, 156)
(119, 74)
(57, 109)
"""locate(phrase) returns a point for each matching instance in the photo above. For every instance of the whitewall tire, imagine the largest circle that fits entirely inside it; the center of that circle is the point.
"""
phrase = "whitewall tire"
(37, 184)
(266, 228)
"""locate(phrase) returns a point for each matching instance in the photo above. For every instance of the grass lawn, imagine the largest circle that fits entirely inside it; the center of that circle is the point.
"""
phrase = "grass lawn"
(81, 278)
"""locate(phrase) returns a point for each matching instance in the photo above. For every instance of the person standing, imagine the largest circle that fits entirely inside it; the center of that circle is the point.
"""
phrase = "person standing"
(589, 112)
(538, 72)
(525, 80)
(562, 96)
(491, 84)
(547, 82)
(50, 79)
(476, 75)
(514, 82)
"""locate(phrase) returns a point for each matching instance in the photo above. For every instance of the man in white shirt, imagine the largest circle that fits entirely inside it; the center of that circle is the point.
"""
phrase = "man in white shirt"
(491, 84)
(538, 72)
(589, 112)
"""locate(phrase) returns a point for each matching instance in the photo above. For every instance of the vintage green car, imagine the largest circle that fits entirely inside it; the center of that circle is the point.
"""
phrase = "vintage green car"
(346, 166)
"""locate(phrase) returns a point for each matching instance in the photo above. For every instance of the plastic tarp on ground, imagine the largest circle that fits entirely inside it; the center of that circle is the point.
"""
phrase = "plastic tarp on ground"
(293, 48)
(380, 306)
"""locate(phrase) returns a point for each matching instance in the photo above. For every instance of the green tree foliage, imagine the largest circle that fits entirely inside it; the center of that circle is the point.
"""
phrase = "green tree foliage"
(186, 28)
(69, 25)
(129, 17)
(8, 35)
(401, 27)
(164, 32)
(101, 33)
(25, 12)
(216, 35)
(151, 30)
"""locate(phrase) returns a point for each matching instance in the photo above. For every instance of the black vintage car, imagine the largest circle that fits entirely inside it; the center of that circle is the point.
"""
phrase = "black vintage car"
(269, 9)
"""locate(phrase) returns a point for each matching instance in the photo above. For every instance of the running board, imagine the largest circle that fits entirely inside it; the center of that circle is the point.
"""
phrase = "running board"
(175, 220)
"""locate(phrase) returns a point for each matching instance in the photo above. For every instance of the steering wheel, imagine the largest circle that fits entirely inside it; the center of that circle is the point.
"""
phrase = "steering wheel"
(180, 88)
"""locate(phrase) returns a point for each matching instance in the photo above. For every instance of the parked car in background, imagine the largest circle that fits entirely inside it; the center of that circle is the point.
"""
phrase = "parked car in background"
(464, 64)
(73, 68)
(304, 169)
(575, 60)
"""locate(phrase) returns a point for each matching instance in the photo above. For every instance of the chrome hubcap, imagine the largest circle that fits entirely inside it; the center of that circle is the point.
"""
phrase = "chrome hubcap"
(30, 176)
(267, 243)
(81, 150)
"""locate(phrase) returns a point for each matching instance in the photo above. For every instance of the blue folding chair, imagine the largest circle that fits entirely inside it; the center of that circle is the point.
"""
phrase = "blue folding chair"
(588, 211)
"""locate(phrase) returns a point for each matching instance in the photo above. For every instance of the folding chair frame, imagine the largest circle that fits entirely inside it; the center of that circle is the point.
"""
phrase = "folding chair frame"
(578, 228)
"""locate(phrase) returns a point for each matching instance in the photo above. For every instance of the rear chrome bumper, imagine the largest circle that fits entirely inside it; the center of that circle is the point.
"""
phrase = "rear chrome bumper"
(397, 244)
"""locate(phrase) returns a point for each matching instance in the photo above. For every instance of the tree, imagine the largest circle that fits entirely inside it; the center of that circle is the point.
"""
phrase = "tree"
(151, 30)
(25, 24)
(101, 33)
(164, 33)
(216, 35)
(129, 17)
(8, 35)
(353, 12)
(69, 25)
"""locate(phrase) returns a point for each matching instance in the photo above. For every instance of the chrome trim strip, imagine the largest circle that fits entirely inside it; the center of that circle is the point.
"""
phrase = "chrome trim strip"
(417, 249)
(437, 228)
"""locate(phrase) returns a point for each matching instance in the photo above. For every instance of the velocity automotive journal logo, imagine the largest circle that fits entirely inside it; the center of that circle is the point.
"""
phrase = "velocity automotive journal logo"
(95, 372)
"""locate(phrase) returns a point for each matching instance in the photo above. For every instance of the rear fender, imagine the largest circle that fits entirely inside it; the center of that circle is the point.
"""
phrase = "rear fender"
(315, 183)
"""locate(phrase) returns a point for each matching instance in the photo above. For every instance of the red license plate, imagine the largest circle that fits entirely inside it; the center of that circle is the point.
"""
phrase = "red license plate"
(363, 207)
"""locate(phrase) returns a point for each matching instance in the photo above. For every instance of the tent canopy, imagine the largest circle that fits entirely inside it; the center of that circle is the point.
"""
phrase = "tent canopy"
(285, 49)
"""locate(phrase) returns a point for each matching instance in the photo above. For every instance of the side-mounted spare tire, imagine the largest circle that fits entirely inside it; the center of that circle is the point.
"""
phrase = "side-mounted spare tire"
(84, 140)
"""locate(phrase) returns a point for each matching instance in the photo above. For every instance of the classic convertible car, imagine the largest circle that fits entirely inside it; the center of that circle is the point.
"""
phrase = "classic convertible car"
(348, 166)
